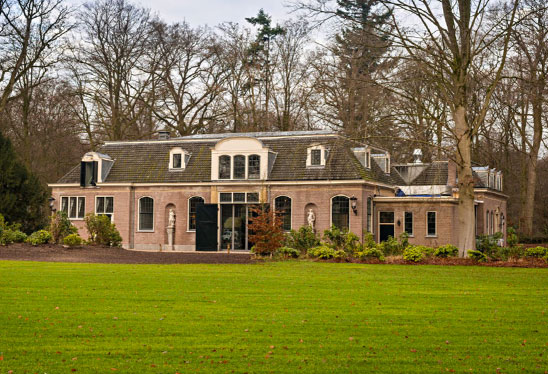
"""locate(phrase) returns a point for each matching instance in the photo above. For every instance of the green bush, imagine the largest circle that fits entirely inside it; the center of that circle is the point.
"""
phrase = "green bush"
(477, 255)
(302, 239)
(414, 254)
(391, 247)
(404, 240)
(39, 237)
(10, 233)
(325, 252)
(512, 238)
(72, 240)
(7, 236)
(60, 226)
(19, 236)
(369, 240)
(537, 252)
(101, 231)
(446, 251)
(287, 252)
(343, 240)
(370, 253)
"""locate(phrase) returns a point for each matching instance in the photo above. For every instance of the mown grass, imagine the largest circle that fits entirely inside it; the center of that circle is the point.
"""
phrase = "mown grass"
(274, 317)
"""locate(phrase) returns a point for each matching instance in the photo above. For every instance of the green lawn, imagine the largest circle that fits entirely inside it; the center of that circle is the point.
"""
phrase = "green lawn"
(274, 317)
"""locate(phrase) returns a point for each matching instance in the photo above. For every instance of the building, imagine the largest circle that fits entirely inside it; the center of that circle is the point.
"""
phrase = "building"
(207, 184)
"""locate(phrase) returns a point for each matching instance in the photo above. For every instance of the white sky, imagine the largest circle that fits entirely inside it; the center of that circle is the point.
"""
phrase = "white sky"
(211, 12)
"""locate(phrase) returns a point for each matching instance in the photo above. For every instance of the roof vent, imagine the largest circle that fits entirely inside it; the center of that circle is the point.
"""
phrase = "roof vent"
(163, 135)
(417, 155)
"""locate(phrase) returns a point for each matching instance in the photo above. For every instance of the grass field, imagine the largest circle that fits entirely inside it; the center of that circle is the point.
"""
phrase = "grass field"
(274, 317)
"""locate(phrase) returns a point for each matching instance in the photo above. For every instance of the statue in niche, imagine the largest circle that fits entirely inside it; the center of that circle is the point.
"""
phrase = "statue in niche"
(311, 218)
(171, 229)
(171, 220)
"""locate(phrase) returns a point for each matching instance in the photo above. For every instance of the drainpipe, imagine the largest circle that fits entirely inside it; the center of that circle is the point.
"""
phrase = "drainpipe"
(131, 217)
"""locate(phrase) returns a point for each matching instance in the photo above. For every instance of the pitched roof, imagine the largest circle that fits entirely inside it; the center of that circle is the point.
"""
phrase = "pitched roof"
(147, 161)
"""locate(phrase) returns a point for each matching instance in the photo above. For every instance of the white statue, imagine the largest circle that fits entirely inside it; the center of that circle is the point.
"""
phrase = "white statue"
(171, 218)
(311, 218)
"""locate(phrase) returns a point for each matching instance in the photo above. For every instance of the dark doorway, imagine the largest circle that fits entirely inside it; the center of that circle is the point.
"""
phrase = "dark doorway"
(206, 227)
(386, 225)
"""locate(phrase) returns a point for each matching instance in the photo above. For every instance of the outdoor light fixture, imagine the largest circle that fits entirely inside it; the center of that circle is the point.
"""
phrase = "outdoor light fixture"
(354, 204)
(51, 205)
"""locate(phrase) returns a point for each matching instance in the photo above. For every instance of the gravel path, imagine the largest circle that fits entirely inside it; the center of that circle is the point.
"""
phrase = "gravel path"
(106, 255)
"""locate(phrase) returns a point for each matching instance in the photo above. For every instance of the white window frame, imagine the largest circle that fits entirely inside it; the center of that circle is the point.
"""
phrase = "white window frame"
(435, 224)
(139, 214)
(412, 235)
(379, 224)
(188, 229)
(183, 153)
(331, 210)
(290, 213)
(246, 193)
(323, 156)
(68, 206)
(103, 213)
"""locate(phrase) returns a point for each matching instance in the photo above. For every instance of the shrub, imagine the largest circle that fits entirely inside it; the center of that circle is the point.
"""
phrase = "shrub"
(369, 240)
(325, 252)
(102, 231)
(537, 252)
(342, 240)
(7, 236)
(10, 233)
(265, 231)
(477, 255)
(512, 238)
(414, 254)
(72, 240)
(60, 226)
(391, 247)
(303, 239)
(19, 236)
(287, 252)
(404, 240)
(369, 253)
(446, 251)
(39, 237)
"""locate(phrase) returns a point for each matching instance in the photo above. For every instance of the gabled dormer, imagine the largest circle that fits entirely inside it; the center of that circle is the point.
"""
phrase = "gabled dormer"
(241, 158)
(178, 158)
(94, 168)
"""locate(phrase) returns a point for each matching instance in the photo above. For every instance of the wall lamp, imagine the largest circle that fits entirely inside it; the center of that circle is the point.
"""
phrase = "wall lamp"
(354, 204)
(51, 205)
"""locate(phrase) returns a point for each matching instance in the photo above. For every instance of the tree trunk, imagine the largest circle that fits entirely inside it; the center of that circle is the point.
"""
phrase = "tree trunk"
(465, 211)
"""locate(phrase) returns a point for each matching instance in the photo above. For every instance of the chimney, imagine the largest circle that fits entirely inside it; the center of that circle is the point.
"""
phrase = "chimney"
(417, 155)
(163, 135)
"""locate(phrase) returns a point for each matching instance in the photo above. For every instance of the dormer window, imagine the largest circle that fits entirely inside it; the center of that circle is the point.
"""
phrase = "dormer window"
(178, 159)
(240, 158)
(254, 167)
(316, 156)
(224, 167)
(94, 169)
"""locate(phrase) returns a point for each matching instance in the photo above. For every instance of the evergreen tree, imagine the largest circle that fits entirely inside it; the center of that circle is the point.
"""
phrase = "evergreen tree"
(22, 197)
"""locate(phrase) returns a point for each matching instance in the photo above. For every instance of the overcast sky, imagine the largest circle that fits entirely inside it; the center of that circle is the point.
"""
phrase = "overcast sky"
(212, 12)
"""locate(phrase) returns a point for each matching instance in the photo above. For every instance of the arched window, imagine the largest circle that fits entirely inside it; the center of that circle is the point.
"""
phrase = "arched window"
(492, 222)
(239, 167)
(487, 225)
(254, 167)
(193, 203)
(146, 214)
(283, 210)
(340, 208)
(224, 167)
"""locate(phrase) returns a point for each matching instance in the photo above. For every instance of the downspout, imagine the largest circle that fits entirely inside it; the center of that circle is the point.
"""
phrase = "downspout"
(131, 217)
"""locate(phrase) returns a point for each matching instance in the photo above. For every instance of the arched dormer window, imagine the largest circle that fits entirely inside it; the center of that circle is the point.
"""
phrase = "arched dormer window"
(254, 167)
(224, 167)
(178, 158)
(282, 206)
(146, 214)
(239, 167)
(340, 212)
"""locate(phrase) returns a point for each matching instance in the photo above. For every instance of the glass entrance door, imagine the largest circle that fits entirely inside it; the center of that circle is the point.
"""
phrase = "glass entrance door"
(233, 226)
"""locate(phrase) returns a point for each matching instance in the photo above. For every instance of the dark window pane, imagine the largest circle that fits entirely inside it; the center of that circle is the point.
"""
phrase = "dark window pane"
(431, 223)
(194, 202)
(252, 197)
(146, 213)
(226, 197)
(316, 157)
(283, 210)
(254, 167)
(100, 205)
(109, 206)
(339, 212)
(224, 167)
(72, 207)
(239, 167)
(369, 213)
(408, 223)
(386, 217)
(64, 204)
(239, 197)
(81, 207)
(177, 160)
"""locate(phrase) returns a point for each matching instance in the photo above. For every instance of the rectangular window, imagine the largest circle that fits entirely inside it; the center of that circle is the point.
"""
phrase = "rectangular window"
(177, 161)
(431, 224)
(252, 197)
(316, 157)
(104, 205)
(254, 167)
(408, 223)
(369, 214)
(226, 197)
(74, 206)
(146, 214)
